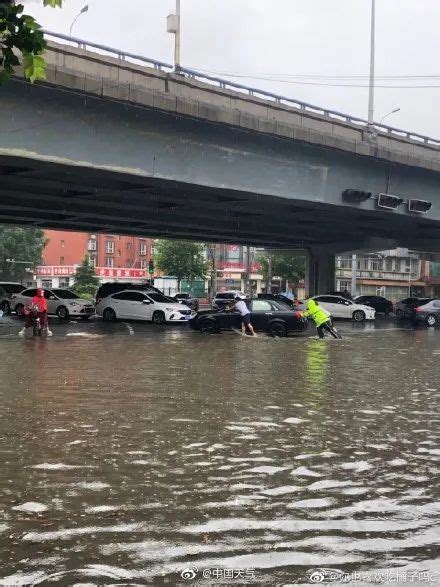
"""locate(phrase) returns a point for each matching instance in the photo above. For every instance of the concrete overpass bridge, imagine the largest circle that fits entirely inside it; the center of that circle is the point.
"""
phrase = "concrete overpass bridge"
(119, 143)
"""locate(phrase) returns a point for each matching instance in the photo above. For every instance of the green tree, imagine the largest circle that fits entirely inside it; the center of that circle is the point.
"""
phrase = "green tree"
(21, 34)
(183, 259)
(288, 266)
(19, 244)
(86, 283)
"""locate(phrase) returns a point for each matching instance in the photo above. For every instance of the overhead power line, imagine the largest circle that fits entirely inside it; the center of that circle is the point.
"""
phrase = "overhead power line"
(301, 80)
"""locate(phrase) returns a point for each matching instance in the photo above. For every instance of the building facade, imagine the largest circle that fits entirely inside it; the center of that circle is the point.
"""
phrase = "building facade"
(232, 266)
(115, 257)
(395, 274)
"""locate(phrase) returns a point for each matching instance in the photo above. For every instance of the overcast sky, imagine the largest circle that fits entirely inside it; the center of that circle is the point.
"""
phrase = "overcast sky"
(282, 38)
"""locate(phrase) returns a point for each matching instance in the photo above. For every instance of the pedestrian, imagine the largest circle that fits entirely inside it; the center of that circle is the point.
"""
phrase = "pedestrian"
(240, 306)
(321, 318)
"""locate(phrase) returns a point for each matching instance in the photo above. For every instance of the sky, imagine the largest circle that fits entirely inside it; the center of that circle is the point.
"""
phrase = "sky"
(323, 41)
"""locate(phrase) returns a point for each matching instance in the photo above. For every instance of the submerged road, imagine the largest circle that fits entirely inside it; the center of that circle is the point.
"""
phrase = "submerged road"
(131, 454)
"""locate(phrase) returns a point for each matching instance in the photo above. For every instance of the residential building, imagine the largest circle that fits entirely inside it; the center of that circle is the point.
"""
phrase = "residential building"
(115, 257)
(394, 274)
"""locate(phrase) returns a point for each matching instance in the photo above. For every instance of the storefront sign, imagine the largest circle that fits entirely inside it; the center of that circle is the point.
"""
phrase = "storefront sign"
(55, 271)
(122, 272)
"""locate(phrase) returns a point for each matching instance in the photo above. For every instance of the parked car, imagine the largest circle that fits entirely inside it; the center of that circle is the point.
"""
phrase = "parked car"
(428, 313)
(60, 302)
(142, 305)
(112, 287)
(380, 304)
(225, 298)
(188, 300)
(340, 307)
(277, 298)
(5, 301)
(268, 316)
(405, 308)
(9, 289)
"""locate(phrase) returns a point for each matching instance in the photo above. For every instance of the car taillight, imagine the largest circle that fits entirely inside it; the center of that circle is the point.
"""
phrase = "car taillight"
(297, 314)
(418, 309)
(98, 300)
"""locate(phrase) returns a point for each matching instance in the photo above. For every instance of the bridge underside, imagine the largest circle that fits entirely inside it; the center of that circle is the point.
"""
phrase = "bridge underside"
(56, 196)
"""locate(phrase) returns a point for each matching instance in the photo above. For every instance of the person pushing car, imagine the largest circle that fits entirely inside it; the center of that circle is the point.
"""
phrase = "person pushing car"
(240, 306)
(321, 318)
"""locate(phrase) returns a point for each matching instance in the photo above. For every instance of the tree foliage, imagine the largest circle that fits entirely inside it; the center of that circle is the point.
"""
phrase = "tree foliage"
(21, 34)
(288, 266)
(183, 259)
(19, 244)
(86, 283)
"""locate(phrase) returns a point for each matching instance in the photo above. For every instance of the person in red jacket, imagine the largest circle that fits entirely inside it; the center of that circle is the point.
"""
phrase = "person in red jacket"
(38, 301)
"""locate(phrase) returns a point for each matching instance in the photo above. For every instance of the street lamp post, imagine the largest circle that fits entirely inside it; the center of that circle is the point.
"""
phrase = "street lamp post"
(389, 114)
(353, 275)
(82, 11)
(173, 27)
(371, 131)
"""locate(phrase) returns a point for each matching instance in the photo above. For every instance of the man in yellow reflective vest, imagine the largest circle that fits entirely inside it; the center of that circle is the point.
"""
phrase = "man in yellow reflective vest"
(321, 318)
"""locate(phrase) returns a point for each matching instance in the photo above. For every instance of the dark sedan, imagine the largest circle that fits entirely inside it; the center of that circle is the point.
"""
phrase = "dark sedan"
(266, 316)
(428, 313)
(380, 304)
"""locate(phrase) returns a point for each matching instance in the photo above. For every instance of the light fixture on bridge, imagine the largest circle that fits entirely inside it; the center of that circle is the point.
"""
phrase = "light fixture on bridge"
(388, 201)
(356, 195)
(420, 206)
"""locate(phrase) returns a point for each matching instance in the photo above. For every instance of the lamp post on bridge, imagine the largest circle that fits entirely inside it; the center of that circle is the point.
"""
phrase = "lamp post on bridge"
(82, 11)
(173, 27)
(371, 131)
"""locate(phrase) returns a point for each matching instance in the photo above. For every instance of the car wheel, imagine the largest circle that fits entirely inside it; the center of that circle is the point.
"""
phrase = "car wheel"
(208, 326)
(5, 307)
(358, 316)
(278, 330)
(19, 310)
(159, 317)
(400, 315)
(431, 320)
(62, 313)
(109, 315)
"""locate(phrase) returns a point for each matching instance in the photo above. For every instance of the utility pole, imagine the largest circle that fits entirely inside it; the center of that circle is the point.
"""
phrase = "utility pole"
(248, 271)
(269, 275)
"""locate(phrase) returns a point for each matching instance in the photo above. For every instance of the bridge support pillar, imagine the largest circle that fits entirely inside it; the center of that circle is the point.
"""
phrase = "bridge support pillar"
(320, 273)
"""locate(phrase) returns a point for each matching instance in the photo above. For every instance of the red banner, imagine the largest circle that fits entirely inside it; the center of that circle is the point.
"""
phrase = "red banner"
(237, 265)
(123, 272)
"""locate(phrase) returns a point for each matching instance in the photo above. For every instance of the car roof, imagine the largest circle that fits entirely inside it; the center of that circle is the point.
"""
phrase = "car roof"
(11, 283)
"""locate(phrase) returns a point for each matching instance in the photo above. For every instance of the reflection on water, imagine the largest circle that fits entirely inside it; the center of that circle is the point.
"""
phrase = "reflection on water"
(128, 459)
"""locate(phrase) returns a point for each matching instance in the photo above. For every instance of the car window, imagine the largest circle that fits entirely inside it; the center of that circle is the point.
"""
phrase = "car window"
(65, 294)
(280, 306)
(225, 296)
(49, 294)
(326, 299)
(29, 293)
(160, 298)
(261, 306)
(13, 288)
(125, 295)
(342, 302)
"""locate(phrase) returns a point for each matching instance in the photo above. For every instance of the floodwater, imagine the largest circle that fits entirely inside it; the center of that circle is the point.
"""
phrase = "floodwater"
(130, 459)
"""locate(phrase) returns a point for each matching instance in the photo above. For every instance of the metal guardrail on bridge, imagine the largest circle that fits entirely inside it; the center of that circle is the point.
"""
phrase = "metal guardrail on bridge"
(255, 92)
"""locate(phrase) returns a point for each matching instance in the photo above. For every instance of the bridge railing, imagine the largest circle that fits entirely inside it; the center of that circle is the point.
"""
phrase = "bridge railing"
(253, 92)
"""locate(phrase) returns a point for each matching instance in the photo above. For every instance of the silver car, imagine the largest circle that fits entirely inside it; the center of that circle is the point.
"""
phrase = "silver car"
(60, 302)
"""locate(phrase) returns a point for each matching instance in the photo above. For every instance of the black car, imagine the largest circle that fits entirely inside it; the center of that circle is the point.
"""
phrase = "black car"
(380, 304)
(188, 300)
(277, 298)
(7, 290)
(405, 308)
(112, 287)
(266, 316)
